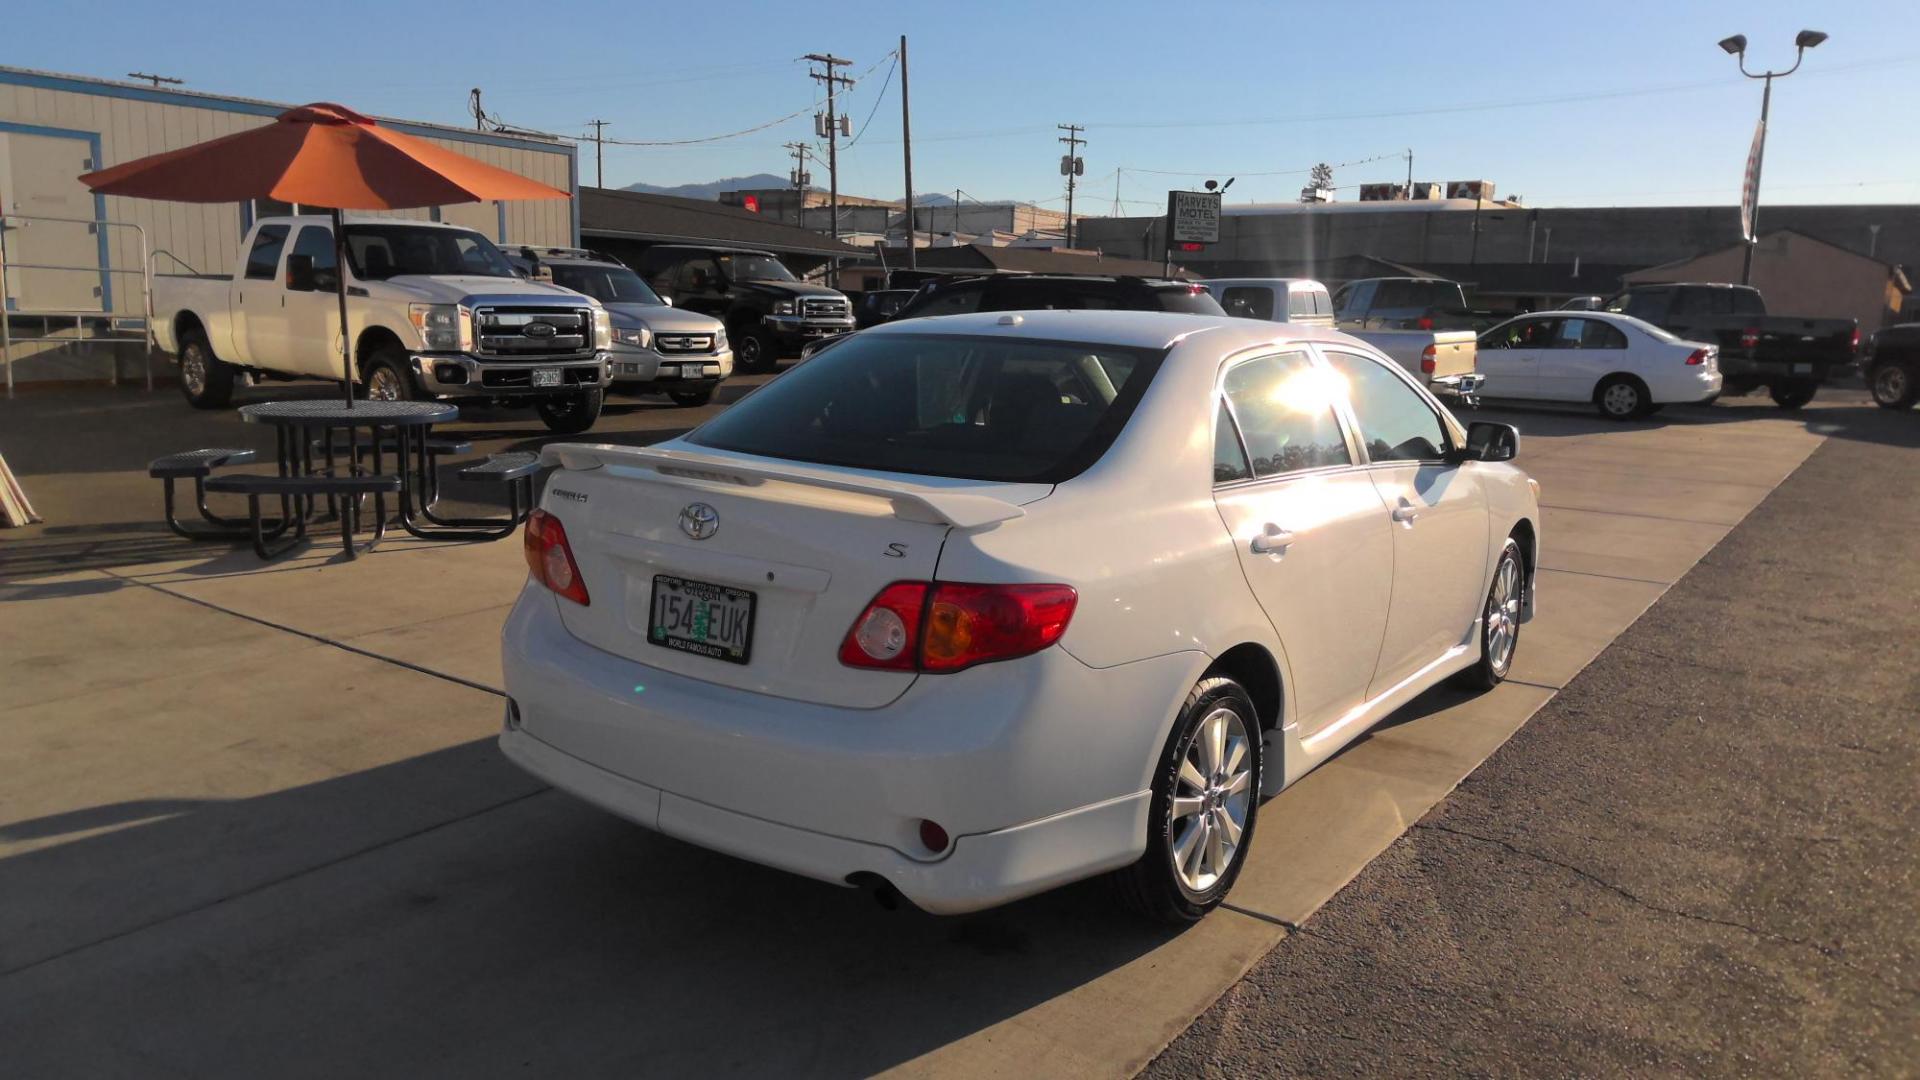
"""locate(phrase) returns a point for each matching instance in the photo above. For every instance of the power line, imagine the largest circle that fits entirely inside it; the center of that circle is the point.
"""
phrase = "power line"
(877, 99)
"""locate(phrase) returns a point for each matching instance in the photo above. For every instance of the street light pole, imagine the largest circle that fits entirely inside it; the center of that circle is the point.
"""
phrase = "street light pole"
(1736, 46)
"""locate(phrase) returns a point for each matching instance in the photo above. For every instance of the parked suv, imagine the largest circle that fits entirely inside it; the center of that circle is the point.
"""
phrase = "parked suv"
(1039, 292)
(657, 348)
(768, 312)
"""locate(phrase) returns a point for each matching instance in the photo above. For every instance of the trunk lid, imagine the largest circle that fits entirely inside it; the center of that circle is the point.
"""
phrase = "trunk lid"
(804, 548)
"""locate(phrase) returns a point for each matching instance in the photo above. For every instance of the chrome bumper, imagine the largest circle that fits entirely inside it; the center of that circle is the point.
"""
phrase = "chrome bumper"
(464, 376)
(803, 325)
(650, 365)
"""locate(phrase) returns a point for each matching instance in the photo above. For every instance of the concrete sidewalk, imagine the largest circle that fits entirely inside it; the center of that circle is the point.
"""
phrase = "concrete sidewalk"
(268, 795)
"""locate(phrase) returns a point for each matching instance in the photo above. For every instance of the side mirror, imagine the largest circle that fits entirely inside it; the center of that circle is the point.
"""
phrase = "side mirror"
(300, 273)
(1488, 441)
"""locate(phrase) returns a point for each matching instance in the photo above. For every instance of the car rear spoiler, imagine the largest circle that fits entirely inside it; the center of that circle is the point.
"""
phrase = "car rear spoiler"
(961, 510)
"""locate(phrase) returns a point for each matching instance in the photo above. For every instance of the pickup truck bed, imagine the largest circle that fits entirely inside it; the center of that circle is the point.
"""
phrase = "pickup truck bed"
(1788, 354)
(1443, 359)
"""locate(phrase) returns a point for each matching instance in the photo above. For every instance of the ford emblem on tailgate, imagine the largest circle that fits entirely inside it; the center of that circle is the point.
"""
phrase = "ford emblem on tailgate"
(539, 330)
(699, 521)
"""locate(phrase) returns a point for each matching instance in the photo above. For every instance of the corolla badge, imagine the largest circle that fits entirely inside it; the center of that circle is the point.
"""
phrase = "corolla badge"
(699, 521)
(539, 330)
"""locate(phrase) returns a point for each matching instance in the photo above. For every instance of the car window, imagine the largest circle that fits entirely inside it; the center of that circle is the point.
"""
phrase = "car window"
(1284, 405)
(1300, 302)
(607, 284)
(1001, 409)
(1745, 302)
(1247, 301)
(263, 262)
(1396, 423)
(1322, 303)
(699, 274)
(1359, 298)
(316, 243)
(1588, 334)
(1696, 302)
(1187, 300)
(954, 300)
(1086, 296)
(1519, 334)
(1229, 456)
(1648, 304)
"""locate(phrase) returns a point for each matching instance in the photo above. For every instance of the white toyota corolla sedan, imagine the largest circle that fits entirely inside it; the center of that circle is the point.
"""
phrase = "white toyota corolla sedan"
(1626, 367)
(972, 607)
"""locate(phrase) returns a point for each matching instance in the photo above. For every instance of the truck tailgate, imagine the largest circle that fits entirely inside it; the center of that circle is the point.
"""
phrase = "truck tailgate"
(1453, 354)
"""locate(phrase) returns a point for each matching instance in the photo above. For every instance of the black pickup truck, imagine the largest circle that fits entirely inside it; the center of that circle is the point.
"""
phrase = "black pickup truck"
(1893, 368)
(1788, 355)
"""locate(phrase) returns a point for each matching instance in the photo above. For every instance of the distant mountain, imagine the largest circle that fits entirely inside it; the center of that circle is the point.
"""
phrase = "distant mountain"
(713, 188)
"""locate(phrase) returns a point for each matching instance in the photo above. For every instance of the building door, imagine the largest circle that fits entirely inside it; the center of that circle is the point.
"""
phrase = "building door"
(51, 265)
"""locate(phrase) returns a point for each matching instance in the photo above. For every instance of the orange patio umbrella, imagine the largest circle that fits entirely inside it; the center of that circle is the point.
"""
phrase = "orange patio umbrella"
(319, 155)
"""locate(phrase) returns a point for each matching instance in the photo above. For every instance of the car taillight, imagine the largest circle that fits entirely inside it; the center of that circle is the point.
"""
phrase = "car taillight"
(1196, 290)
(1697, 357)
(949, 626)
(1424, 322)
(1429, 359)
(1749, 338)
(1855, 346)
(550, 560)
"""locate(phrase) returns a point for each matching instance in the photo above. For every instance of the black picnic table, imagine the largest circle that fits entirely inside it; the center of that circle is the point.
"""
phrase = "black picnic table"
(299, 425)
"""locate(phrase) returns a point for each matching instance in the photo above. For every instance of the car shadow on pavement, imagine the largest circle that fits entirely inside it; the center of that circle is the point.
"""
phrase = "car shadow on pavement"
(446, 914)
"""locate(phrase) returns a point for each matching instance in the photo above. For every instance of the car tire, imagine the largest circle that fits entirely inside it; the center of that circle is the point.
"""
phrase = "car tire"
(1499, 622)
(1895, 384)
(753, 348)
(1792, 395)
(205, 380)
(692, 399)
(1186, 818)
(386, 377)
(573, 414)
(1623, 397)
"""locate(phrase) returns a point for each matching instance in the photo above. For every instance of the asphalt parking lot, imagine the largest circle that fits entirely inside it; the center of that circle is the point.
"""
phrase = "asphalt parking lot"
(253, 820)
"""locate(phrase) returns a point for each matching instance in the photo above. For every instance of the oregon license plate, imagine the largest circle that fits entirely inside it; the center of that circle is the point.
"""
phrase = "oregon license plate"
(546, 376)
(714, 621)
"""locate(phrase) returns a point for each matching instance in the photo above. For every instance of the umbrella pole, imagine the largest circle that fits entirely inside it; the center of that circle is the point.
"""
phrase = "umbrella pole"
(340, 291)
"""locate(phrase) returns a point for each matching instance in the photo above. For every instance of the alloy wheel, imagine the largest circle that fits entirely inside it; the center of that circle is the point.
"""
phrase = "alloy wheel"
(1212, 794)
(383, 385)
(1503, 616)
(193, 371)
(1890, 384)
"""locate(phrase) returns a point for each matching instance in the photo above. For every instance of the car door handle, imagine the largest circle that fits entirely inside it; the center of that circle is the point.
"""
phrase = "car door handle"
(1273, 540)
(1405, 513)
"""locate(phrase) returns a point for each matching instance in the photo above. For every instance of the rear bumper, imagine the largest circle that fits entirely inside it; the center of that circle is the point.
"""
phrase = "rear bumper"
(1463, 388)
(1745, 369)
(1039, 767)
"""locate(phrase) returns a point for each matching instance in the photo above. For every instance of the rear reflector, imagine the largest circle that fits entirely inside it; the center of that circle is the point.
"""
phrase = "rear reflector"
(550, 560)
(1429, 359)
(950, 626)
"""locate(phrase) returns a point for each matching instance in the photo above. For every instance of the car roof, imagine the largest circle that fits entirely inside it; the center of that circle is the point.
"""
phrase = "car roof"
(1290, 282)
(727, 248)
(1101, 279)
(1124, 329)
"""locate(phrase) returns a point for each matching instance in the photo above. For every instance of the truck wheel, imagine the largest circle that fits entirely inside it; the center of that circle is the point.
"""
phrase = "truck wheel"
(1894, 385)
(571, 415)
(205, 379)
(386, 376)
(1792, 395)
(692, 399)
(1623, 397)
(753, 347)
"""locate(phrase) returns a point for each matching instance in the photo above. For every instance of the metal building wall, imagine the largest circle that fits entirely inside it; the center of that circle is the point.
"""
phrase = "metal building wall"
(121, 122)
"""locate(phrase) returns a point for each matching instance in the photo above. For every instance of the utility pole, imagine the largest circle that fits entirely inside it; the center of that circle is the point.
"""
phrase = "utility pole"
(906, 153)
(474, 107)
(599, 176)
(156, 80)
(1409, 172)
(1072, 167)
(831, 129)
(801, 178)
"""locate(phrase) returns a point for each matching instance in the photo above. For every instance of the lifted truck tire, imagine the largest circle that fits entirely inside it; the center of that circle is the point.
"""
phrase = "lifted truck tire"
(1792, 395)
(571, 415)
(753, 348)
(205, 380)
(1895, 384)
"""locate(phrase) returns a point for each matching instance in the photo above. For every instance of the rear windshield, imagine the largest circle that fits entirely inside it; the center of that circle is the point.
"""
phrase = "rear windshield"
(1416, 294)
(977, 408)
(1185, 300)
(607, 284)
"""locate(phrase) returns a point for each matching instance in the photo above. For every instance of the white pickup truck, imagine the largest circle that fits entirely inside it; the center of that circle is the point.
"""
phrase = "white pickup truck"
(434, 311)
(1443, 359)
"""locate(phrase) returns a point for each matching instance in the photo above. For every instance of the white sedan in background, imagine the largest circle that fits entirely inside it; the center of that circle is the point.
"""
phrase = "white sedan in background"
(966, 608)
(1626, 367)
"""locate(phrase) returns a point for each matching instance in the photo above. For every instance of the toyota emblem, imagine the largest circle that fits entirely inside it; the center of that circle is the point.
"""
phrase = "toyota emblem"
(699, 521)
(539, 330)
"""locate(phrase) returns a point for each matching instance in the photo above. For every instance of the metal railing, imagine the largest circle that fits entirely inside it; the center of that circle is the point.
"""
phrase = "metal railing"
(118, 327)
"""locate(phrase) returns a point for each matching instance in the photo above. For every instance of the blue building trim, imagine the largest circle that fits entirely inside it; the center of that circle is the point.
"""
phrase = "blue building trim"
(99, 201)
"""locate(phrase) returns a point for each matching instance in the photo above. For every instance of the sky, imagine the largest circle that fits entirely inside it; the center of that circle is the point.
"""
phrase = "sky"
(1563, 104)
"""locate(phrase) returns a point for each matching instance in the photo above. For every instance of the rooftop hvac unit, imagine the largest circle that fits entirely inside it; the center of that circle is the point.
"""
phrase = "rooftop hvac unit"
(1382, 192)
(1470, 189)
(1426, 190)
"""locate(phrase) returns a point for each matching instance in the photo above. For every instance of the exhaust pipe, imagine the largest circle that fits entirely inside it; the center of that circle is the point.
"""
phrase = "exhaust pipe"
(882, 890)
